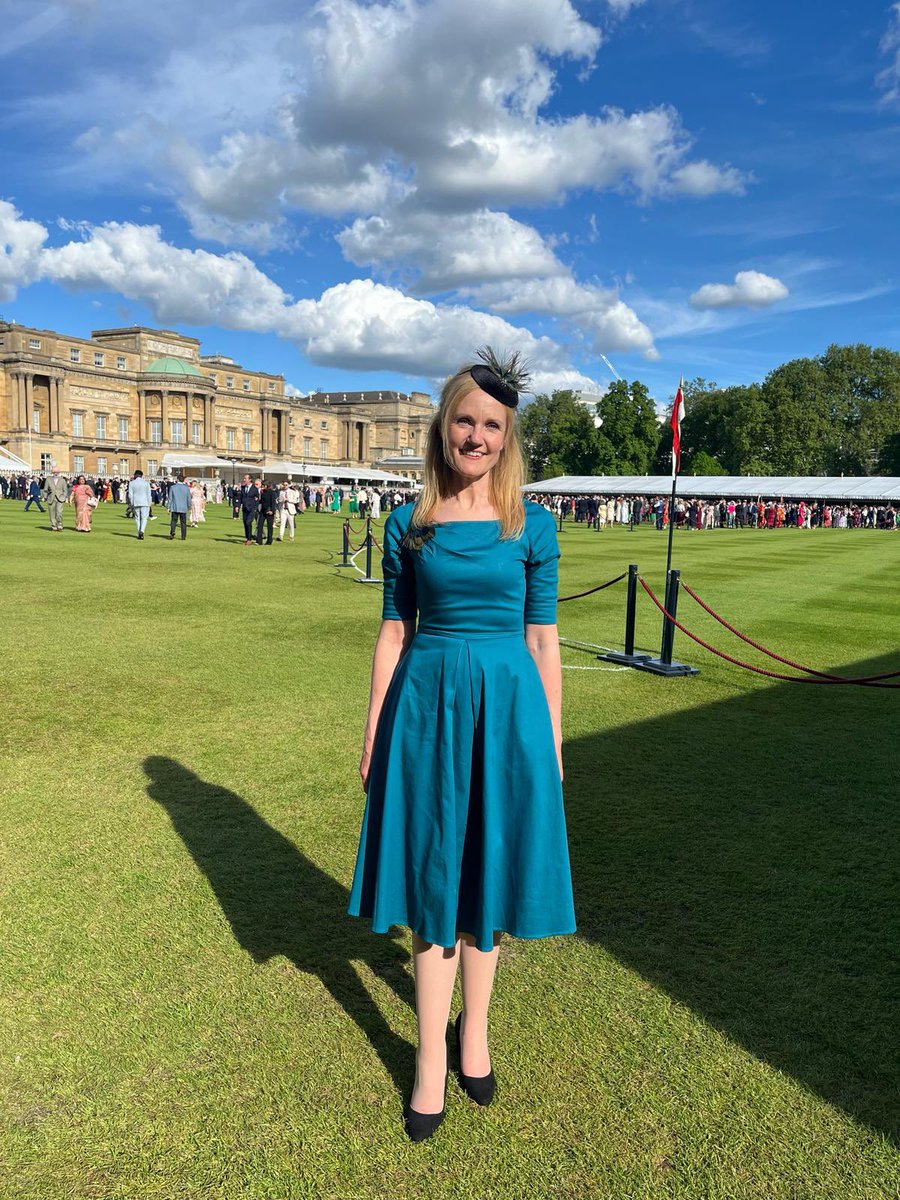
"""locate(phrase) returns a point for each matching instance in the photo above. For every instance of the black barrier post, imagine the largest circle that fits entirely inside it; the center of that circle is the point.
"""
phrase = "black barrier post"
(628, 658)
(368, 576)
(664, 665)
(345, 543)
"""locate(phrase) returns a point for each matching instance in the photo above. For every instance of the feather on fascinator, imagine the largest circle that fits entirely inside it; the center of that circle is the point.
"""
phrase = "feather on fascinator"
(502, 377)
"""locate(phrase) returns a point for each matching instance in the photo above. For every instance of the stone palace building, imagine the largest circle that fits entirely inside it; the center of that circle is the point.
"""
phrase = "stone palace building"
(136, 397)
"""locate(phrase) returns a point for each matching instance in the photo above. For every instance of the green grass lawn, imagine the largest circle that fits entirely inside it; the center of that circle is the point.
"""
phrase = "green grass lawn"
(186, 1011)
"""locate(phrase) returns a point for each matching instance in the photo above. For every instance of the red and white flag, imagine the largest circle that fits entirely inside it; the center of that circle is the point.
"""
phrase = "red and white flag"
(677, 418)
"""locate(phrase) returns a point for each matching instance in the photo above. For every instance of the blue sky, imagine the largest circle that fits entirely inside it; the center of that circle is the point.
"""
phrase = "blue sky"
(359, 194)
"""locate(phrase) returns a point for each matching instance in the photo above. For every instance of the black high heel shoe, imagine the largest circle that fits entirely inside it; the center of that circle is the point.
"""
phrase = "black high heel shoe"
(420, 1126)
(480, 1088)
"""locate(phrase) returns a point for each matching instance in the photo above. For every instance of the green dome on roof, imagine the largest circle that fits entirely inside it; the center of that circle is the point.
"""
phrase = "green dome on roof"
(172, 366)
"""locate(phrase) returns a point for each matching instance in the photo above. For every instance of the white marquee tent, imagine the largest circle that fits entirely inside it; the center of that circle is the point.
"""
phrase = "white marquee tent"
(884, 489)
(11, 463)
(299, 470)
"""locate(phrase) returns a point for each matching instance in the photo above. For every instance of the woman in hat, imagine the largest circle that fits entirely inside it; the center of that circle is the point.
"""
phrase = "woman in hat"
(464, 835)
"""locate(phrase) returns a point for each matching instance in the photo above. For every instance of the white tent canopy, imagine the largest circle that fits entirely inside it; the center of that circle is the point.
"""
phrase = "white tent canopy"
(12, 462)
(299, 470)
(861, 488)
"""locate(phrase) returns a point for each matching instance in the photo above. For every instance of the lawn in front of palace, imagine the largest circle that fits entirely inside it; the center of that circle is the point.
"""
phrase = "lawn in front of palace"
(186, 1011)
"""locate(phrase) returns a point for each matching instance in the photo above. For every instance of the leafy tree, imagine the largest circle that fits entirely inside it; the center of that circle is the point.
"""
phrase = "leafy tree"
(704, 464)
(889, 456)
(629, 435)
(558, 437)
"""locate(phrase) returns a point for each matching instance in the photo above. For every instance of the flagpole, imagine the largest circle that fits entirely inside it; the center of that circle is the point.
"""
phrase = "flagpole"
(671, 522)
(677, 409)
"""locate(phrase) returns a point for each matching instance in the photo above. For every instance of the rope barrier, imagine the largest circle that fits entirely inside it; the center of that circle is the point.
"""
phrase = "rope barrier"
(832, 679)
(590, 592)
(771, 653)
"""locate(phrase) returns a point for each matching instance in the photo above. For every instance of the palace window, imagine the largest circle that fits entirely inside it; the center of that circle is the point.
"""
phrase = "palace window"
(229, 439)
(98, 358)
(46, 462)
(101, 426)
(120, 362)
(195, 432)
(34, 343)
(78, 464)
(123, 466)
(307, 447)
(152, 466)
(229, 381)
(307, 422)
(77, 424)
(246, 384)
(323, 449)
(177, 428)
(271, 385)
(156, 431)
(36, 421)
(248, 440)
(101, 465)
(74, 354)
(324, 424)
(123, 429)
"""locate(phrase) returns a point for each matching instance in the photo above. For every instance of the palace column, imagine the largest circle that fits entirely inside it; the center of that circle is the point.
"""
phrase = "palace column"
(164, 413)
(29, 400)
(141, 415)
(264, 431)
(56, 404)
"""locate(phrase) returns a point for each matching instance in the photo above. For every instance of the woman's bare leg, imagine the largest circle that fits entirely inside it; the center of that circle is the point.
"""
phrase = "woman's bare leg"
(435, 970)
(478, 970)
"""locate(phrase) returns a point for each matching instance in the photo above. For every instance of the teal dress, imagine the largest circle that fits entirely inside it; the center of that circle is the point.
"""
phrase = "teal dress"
(464, 829)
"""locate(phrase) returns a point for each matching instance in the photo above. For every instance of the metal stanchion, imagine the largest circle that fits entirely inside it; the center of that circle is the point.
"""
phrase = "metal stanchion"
(628, 658)
(368, 576)
(345, 550)
(664, 665)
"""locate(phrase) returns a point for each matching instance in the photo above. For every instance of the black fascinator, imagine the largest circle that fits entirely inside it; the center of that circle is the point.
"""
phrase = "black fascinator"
(502, 377)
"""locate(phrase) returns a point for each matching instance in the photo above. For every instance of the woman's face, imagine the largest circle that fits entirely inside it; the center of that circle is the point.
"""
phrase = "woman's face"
(476, 433)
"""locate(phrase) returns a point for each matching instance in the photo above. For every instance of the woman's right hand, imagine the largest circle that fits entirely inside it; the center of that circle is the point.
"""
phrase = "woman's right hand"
(364, 765)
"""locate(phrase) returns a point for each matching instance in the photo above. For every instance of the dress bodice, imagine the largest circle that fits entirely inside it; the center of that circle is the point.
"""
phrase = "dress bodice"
(465, 579)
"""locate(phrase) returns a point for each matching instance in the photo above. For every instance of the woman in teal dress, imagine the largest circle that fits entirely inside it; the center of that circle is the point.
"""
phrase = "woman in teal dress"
(354, 502)
(464, 834)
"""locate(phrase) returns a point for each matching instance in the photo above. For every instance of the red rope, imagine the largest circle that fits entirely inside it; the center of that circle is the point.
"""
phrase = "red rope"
(771, 654)
(748, 666)
(599, 588)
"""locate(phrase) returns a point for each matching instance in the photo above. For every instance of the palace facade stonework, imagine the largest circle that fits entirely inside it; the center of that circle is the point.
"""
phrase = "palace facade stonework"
(123, 399)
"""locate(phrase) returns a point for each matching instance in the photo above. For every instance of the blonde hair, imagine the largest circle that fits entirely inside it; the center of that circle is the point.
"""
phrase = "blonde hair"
(506, 478)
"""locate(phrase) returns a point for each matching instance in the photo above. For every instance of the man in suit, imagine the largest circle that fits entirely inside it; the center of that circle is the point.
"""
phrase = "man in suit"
(139, 501)
(178, 502)
(55, 492)
(34, 495)
(249, 506)
(268, 502)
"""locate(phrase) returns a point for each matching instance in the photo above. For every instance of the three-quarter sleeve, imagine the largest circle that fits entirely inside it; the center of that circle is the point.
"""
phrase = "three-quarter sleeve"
(399, 595)
(541, 570)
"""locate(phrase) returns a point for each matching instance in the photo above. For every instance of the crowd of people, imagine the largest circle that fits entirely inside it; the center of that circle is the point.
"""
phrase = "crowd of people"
(599, 511)
(258, 503)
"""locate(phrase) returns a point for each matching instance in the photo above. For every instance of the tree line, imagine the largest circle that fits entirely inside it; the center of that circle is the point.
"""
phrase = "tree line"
(835, 414)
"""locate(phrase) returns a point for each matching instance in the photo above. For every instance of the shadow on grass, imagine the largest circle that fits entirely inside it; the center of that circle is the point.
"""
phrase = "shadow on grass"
(279, 902)
(743, 857)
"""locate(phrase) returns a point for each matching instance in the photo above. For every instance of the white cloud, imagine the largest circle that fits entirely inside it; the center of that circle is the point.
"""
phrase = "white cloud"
(888, 79)
(751, 289)
(705, 179)
(450, 250)
(359, 104)
(609, 324)
(21, 243)
(358, 325)
(622, 8)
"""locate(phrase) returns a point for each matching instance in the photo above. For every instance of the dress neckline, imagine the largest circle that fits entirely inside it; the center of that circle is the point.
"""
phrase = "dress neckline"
(469, 521)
